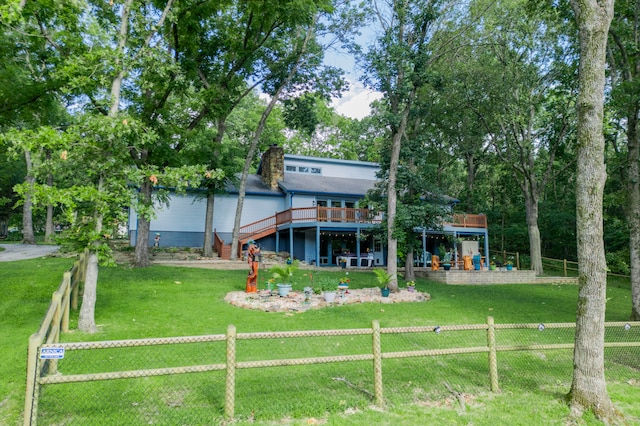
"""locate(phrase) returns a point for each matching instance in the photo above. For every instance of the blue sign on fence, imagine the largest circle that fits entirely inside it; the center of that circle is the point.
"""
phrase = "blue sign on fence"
(51, 353)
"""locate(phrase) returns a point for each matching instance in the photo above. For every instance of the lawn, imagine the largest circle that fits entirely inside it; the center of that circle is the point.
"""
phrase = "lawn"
(174, 301)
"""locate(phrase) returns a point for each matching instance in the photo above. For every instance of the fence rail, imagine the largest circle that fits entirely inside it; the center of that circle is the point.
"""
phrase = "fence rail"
(486, 339)
(55, 321)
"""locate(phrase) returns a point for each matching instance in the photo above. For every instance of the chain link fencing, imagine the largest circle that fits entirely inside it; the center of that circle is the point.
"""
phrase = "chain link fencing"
(204, 380)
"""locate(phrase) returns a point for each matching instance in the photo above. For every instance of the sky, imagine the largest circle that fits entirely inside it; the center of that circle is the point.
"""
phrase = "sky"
(355, 102)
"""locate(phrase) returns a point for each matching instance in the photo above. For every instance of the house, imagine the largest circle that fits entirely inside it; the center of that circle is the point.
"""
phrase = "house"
(308, 206)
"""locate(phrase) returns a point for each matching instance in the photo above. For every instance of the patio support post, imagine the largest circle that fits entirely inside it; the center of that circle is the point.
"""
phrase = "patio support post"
(455, 250)
(317, 245)
(291, 243)
(358, 247)
(486, 246)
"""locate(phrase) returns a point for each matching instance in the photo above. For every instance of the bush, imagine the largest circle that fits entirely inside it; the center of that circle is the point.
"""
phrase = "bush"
(618, 262)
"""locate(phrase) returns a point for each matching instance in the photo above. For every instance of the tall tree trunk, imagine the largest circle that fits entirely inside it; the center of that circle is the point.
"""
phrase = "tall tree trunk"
(588, 388)
(207, 248)
(471, 180)
(141, 258)
(49, 230)
(409, 272)
(28, 236)
(535, 246)
(256, 138)
(86, 319)
(207, 244)
(633, 213)
(392, 203)
(247, 165)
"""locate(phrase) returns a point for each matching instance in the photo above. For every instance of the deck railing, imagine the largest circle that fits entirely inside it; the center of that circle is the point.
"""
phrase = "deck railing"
(268, 225)
(338, 214)
(463, 220)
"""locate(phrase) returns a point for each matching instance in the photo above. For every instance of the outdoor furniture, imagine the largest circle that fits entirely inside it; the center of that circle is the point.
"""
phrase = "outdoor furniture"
(352, 261)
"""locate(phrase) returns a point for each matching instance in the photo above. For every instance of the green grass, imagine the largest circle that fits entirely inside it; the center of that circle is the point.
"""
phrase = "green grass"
(172, 301)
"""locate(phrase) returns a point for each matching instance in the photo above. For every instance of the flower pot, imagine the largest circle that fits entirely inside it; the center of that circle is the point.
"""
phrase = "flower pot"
(343, 287)
(385, 292)
(492, 267)
(343, 265)
(329, 296)
(446, 266)
(509, 267)
(284, 289)
(411, 289)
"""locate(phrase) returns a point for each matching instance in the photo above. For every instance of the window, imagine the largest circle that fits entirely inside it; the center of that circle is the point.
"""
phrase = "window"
(304, 169)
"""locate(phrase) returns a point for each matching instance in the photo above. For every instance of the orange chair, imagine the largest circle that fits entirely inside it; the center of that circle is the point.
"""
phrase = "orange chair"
(435, 262)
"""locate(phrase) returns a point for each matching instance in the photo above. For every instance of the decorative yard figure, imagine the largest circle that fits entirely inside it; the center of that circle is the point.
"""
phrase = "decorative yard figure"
(252, 280)
(156, 240)
(435, 262)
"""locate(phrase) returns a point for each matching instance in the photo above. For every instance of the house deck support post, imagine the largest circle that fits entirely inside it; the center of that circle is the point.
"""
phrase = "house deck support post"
(486, 246)
(291, 243)
(359, 262)
(317, 245)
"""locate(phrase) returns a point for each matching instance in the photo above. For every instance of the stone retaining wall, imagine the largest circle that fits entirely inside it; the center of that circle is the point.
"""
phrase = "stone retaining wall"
(480, 277)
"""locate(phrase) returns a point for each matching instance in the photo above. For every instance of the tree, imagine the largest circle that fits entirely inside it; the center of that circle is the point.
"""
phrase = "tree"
(588, 388)
(624, 60)
(515, 74)
(29, 87)
(225, 50)
(395, 66)
(292, 72)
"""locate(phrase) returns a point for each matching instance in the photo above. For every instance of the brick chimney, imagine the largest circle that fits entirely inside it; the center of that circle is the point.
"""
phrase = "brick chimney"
(273, 166)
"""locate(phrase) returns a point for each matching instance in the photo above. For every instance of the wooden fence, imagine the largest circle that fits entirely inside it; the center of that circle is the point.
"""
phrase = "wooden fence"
(491, 346)
(55, 321)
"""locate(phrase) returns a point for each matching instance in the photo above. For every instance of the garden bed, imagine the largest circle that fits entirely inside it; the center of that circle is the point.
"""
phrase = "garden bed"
(295, 302)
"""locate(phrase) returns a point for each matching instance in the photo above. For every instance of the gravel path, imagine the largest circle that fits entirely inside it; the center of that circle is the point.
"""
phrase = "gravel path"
(14, 252)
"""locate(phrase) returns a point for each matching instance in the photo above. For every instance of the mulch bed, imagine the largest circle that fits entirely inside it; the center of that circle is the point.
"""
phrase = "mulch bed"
(295, 302)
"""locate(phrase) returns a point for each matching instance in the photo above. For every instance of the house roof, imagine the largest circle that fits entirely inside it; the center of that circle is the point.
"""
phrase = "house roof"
(315, 184)
(255, 186)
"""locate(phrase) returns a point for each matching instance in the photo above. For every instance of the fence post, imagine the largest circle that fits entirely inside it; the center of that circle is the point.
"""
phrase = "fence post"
(230, 389)
(493, 360)
(565, 267)
(66, 277)
(32, 367)
(518, 260)
(377, 363)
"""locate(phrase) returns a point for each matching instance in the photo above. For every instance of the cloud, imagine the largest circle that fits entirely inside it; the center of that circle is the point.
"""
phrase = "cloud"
(355, 103)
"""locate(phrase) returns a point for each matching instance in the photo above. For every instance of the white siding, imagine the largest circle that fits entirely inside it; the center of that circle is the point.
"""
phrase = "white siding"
(255, 208)
(335, 168)
(303, 201)
(186, 213)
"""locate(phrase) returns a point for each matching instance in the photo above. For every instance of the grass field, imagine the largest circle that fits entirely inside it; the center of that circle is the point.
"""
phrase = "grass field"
(171, 301)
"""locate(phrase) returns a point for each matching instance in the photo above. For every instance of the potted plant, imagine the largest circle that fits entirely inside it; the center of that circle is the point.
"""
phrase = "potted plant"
(509, 264)
(384, 279)
(445, 257)
(343, 262)
(329, 288)
(492, 265)
(344, 283)
(283, 274)
(411, 286)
